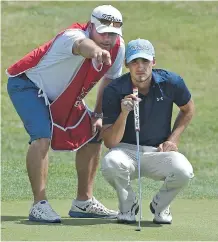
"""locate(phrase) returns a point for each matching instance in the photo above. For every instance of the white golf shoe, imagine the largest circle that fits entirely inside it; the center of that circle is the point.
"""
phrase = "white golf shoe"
(91, 208)
(130, 216)
(42, 212)
(163, 217)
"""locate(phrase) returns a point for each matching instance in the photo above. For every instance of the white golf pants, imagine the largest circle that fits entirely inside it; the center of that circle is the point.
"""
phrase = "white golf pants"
(119, 167)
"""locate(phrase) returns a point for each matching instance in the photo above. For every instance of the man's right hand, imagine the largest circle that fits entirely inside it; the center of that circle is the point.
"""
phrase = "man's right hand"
(127, 104)
(101, 56)
(89, 49)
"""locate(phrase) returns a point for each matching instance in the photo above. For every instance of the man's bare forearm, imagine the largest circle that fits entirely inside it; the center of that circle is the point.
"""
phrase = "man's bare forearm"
(182, 120)
(85, 47)
(114, 134)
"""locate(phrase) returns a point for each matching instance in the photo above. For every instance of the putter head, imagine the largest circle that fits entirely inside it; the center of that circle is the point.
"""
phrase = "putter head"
(138, 229)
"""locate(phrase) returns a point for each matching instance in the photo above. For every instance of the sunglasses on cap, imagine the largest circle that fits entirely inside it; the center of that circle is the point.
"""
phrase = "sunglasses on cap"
(108, 22)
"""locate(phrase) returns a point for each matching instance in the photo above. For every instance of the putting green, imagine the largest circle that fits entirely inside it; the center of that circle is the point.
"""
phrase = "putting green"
(192, 220)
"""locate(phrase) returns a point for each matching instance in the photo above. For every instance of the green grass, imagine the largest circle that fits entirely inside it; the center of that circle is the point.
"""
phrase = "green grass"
(188, 224)
(185, 38)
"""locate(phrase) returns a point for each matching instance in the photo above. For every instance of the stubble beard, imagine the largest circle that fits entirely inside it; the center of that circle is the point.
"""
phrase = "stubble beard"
(141, 79)
(143, 82)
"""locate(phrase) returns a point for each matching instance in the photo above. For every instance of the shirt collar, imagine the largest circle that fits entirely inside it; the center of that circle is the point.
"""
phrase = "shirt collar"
(127, 83)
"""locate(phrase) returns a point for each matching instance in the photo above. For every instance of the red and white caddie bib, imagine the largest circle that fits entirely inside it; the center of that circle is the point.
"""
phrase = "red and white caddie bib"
(71, 123)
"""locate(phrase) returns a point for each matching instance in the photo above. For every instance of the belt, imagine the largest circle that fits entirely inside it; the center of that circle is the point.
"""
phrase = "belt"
(142, 148)
(24, 77)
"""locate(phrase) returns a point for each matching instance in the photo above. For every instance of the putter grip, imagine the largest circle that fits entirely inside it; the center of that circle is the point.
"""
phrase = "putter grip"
(136, 110)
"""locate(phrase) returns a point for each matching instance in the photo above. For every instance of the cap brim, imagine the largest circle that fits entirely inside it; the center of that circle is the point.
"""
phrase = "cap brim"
(139, 55)
(108, 29)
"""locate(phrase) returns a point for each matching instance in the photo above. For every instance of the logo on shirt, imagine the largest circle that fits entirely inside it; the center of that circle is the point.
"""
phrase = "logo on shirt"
(159, 99)
(84, 92)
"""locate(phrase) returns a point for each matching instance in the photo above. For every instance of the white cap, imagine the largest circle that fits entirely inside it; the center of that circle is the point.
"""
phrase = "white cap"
(106, 12)
(139, 48)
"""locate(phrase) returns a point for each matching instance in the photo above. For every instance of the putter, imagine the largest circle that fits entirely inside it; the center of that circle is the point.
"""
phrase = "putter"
(137, 129)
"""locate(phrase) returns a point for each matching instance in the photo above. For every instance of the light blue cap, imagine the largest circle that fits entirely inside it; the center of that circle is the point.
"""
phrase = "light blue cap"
(139, 48)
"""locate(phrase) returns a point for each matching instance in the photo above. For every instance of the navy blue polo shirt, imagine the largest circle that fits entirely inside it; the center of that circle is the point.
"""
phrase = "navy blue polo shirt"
(155, 109)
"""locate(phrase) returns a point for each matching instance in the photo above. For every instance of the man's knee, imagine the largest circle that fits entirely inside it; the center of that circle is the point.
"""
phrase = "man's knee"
(42, 145)
(183, 168)
(183, 176)
(110, 162)
(116, 168)
(116, 162)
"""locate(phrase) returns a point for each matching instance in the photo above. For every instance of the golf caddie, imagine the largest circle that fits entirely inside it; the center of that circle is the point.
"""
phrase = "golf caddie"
(158, 144)
(47, 88)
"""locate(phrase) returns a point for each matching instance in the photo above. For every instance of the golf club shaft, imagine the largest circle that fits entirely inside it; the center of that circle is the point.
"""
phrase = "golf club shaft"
(139, 180)
(137, 129)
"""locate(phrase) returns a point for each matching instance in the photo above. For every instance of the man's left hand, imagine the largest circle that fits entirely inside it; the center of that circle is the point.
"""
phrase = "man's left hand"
(167, 146)
(96, 124)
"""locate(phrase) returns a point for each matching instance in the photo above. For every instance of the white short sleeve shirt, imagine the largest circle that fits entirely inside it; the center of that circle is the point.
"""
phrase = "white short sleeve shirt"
(59, 65)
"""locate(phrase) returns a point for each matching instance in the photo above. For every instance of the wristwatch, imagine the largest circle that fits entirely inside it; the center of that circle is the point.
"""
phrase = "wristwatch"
(97, 115)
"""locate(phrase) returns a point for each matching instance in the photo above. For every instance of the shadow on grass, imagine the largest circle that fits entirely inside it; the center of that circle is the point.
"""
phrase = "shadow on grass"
(95, 221)
(12, 218)
(74, 222)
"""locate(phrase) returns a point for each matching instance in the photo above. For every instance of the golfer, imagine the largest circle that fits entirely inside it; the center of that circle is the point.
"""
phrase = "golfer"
(160, 159)
(47, 88)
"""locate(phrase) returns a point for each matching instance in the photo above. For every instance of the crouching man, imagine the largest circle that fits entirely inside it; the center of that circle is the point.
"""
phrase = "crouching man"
(160, 160)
